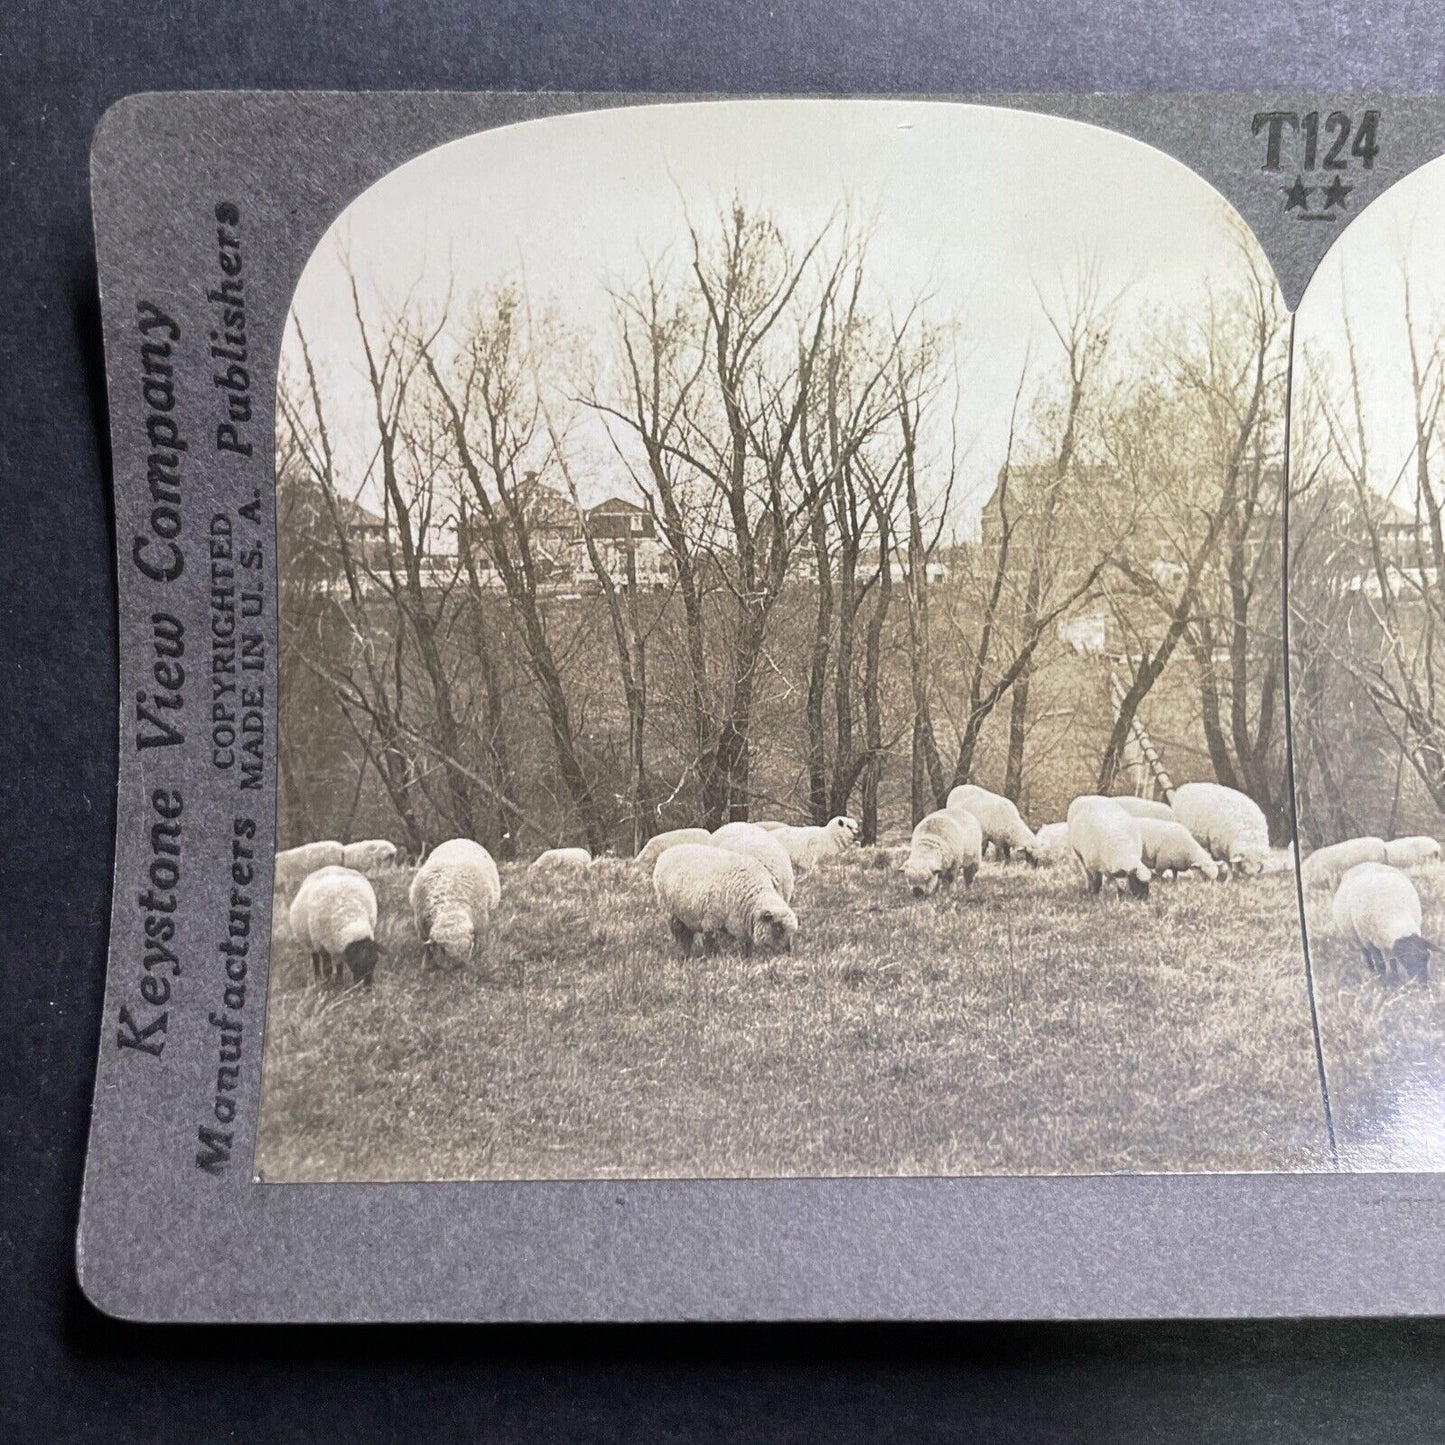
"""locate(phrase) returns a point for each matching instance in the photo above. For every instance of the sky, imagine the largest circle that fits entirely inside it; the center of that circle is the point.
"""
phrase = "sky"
(1361, 283)
(974, 205)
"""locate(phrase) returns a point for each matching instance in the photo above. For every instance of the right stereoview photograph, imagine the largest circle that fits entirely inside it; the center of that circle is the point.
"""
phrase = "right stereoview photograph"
(1367, 486)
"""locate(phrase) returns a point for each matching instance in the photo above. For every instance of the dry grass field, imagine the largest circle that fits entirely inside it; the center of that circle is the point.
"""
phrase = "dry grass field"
(1019, 1027)
(1384, 1044)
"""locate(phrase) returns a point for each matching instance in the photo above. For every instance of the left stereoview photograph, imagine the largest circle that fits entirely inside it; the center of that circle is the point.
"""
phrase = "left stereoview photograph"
(781, 662)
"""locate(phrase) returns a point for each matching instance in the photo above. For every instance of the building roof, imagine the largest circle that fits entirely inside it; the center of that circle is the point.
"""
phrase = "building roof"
(617, 506)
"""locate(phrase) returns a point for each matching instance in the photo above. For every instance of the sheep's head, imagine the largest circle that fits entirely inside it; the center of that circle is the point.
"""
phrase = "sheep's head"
(1212, 871)
(774, 926)
(923, 875)
(847, 830)
(1249, 862)
(452, 941)
(361, 955)
(1136, 880)
(1413, 955)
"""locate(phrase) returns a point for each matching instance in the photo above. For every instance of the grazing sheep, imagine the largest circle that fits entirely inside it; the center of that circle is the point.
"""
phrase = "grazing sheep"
(563, 858)
(1106, 841)
(755, 842)
(1401, 852)
(1228, 823)
(334, 914)
(945, 844)
(1377, 909)
(1145, 808)
(1167, 846)
(709, 891)
(452, 898)
(807, 847)
(659, 843)
(999, 818)
(371, 855)
(1326, 866)
(294, 864)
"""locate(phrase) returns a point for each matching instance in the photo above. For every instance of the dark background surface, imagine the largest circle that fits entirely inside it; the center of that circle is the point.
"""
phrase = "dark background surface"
(66, 1373)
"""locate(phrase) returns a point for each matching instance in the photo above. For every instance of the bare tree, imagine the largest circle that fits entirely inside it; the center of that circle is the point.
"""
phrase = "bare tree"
(489, 405)
(407, 468)
(1082, 327)
(1048, 536)
(845, 454)
(1204, 433)
(660, 370)
(1327, 559)
(1396, 646)
(621, 598)
(370, 684)
(717, 383)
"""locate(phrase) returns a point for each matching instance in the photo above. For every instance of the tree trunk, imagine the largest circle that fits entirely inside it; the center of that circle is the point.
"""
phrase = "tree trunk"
(816, 706)
(844, 762)
(1019, 703)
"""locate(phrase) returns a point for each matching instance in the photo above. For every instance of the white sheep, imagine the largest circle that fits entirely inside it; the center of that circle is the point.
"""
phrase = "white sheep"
(708, 891)
(944, 844)
(1377, 909)
(452, 899)
(755, 842)
(659, 843)
(1145, 808)
(810, 846)
(568, 858)
(334, 915)
(1106, 841)
(1402, 852)
(1231, 825)
(371, 855)
(293, 864)
(998, 817)
(1326, 866)
(1167, 846)
(772, 824)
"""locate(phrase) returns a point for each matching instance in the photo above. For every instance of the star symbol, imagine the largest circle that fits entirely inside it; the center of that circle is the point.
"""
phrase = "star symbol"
(1297, 196)
(1335, 193)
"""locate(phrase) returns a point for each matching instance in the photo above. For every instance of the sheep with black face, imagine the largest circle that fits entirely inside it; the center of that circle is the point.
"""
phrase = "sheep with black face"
(334, 915)
(1377, 908)
(1106, 841)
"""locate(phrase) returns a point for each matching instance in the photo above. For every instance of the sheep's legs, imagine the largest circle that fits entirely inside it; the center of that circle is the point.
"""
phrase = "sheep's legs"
(316, 964)
(1374, 960)
(969, 874)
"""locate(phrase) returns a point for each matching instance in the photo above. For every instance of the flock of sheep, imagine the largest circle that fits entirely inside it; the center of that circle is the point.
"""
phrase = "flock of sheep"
(737, 881)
